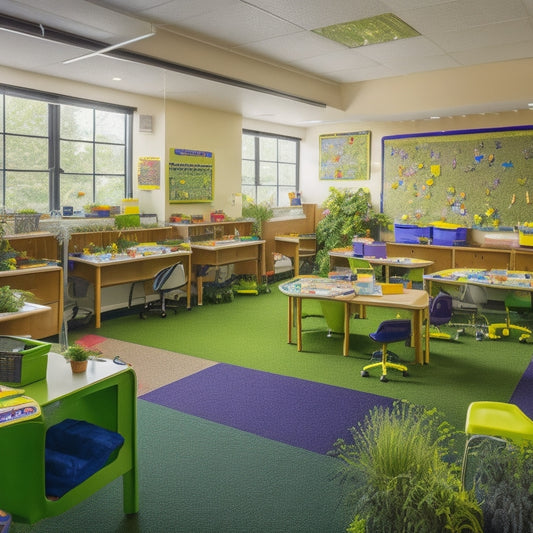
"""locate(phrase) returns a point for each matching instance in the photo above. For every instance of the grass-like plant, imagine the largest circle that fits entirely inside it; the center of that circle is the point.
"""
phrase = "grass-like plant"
(402, 475)
(78, 352)
(12, 300)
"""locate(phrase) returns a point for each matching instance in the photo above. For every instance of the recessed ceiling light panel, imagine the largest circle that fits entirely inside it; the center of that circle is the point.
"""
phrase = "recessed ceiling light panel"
(374, 30)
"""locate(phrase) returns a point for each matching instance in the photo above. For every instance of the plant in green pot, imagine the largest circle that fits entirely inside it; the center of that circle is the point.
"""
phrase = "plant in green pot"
(78, 355)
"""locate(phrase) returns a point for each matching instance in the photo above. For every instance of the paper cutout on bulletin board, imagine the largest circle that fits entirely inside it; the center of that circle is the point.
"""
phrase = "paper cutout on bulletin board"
(149, 173)
(190, 176)
(471, 177)
(345, 156)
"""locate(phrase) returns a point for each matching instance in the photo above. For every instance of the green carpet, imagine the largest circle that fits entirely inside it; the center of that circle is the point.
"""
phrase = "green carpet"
(196, 476)
(252, 332)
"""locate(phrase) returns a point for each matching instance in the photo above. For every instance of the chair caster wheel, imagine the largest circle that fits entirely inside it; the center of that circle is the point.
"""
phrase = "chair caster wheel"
(405, 374)
(163, 315)
(364, 374)
(384, 379)
(142, 315)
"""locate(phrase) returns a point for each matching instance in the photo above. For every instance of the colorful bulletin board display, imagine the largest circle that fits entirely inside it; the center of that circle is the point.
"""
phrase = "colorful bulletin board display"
(480, 178)
(190, 176)
(345, 156)
(149, 173)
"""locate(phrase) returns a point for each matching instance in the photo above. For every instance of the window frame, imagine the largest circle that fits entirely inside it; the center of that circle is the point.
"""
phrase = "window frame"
(257, 161)
(54, 102)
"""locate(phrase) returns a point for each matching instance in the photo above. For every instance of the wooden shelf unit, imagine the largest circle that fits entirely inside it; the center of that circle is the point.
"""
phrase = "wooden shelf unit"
(211, 230)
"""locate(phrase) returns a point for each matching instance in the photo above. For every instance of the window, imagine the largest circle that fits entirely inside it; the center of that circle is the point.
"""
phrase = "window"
(58, 151)
(270, 167)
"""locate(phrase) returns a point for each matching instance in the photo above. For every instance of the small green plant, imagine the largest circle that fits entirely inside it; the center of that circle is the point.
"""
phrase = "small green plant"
(78, 352)
(12, 300)
(260, 213)
(347, 214)
(400, 474)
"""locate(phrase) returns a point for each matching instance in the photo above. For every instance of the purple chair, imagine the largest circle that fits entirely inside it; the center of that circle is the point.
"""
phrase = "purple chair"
(440, 313)
(389, 331)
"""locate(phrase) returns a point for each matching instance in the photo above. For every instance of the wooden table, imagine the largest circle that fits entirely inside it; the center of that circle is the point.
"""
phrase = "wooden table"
(416, 301)
(407, 263)
(228, 253)
(105, 395)
(118, 271)
(23, 322)
(296, 247)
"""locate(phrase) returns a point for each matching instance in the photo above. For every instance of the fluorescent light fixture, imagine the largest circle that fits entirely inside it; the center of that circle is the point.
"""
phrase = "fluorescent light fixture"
(109, 48)
(374, 30)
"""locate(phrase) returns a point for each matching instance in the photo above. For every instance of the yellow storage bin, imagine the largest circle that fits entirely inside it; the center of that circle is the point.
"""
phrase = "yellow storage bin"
(130, 206)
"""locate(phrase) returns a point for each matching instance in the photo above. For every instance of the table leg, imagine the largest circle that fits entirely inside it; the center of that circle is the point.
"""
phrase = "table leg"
(290, 319)
(199, 289)
(417, 336)
(426, 326)
(97, 297)
(346, 344)
(299, 323)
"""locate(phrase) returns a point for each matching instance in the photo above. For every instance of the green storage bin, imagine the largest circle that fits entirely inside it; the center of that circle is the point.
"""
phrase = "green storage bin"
(24, 366)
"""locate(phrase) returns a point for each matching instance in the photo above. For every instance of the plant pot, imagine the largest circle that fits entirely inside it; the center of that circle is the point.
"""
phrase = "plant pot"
(78, 367)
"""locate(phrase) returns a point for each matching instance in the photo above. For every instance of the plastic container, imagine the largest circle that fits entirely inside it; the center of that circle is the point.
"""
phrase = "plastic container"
(130, 206)
(375, 249)
(358, 244)
(25, 366)
(449, 236)
(411, 233)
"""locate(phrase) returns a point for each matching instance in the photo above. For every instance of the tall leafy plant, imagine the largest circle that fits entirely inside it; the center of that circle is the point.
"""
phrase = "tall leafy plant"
(347, 213)
(401, 475)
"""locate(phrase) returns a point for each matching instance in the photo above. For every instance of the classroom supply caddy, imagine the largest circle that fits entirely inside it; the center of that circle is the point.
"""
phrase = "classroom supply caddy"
(22, 360)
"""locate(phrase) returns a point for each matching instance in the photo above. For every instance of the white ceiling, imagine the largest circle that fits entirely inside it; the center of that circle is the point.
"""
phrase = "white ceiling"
(454, 33)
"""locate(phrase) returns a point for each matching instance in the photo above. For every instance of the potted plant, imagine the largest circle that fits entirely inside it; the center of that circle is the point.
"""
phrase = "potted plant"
(13, 300)
(401, 474)
(347, 214)
(78, 355)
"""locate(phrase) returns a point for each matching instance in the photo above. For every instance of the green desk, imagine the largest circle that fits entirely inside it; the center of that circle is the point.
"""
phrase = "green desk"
(105, 395)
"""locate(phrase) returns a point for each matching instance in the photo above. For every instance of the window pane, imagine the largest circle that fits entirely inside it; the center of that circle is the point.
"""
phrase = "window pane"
(268, 149)
(267, 194)
(76, 123)
(76, 157)
(287, 174)
(76, 191)
(110, 127)
(248, 170)
(284, 196)
(27, 190)
(287, 151)
(268, 173)
(109, 190)
(26, 117)
(26, 153)
(109, 159)
(248, 147)
(249, 191)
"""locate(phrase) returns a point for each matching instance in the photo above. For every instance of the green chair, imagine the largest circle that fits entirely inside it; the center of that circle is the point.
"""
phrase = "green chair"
(504, 422)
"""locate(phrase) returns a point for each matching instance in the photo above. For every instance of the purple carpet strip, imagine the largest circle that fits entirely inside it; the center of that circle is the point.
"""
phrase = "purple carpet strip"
(523, 393)
(297, 412)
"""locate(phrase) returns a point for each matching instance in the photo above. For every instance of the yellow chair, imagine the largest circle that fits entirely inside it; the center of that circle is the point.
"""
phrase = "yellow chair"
(500, 421)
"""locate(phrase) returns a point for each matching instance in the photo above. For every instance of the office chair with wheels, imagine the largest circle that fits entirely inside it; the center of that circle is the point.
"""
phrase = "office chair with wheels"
(472, 299)
(166, 281)
(513, 301)
(389, 331)
(499, 421)
(440, 313)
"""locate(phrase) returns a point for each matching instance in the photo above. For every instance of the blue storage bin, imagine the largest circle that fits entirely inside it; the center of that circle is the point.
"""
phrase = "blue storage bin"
(375, 249)
(449, 236)
(411, 233)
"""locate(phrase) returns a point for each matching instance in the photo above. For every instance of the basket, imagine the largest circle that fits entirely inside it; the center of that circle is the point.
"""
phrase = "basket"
(27, 222)
(25, 365)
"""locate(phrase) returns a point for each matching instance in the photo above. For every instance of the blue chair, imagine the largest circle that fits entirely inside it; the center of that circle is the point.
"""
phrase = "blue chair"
(389, 331)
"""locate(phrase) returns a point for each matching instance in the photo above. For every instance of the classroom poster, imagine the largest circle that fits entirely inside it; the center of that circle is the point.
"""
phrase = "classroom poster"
(149, 173)
(345, 156)
(190, 176)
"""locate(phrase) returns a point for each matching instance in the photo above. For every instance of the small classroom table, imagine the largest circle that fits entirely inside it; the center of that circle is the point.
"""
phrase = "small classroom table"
(416, 301)
(227, 253)
(126, 270)
(105, 395)
(406, 263)
(296, 247)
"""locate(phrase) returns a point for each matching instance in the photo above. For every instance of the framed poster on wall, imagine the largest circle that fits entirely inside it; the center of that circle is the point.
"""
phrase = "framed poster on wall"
(345, 156)
(191, 175)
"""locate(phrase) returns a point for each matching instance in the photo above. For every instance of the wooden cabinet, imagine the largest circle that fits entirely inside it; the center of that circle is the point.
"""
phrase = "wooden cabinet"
(211, 230)
(465, 256)
(46, 283)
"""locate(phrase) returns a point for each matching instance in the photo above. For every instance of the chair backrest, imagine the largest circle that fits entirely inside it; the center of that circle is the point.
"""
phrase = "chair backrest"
(169, 278)
(357, 263)
(397, 329)
(474, 294)
(440, 309)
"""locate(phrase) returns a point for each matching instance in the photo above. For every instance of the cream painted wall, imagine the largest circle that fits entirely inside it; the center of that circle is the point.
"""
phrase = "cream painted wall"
(195, 128)
(315, 190)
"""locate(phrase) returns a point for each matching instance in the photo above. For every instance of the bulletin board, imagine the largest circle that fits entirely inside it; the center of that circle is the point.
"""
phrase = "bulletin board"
(345, 156)
(190, 176)
(473, 178)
